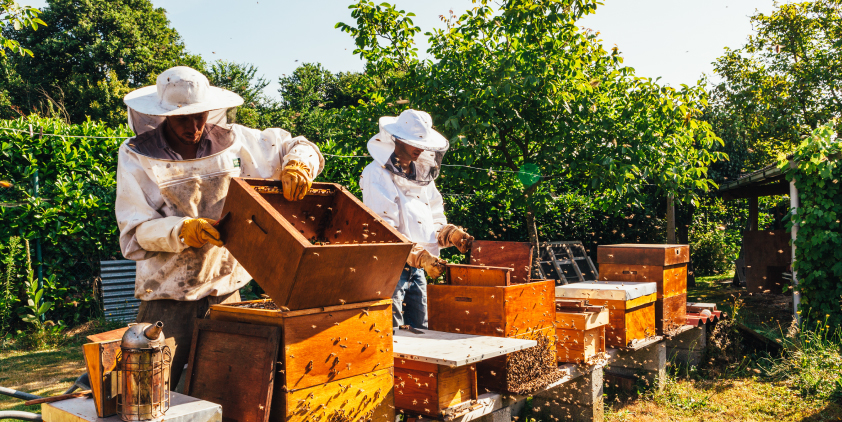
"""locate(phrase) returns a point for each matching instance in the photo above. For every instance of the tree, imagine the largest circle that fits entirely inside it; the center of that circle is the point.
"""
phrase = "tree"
(14, 18)
(785, 81)
(239, 78)
(522, 89)
(91, 55)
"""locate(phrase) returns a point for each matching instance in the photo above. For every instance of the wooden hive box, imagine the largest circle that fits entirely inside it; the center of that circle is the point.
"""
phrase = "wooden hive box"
(514, 255)
(323, 250)
(429, 389)
(323, 344)
(580, 331)
(666, 265)
(435, 372)
(475, 275)
(523, 311)
(631, 308)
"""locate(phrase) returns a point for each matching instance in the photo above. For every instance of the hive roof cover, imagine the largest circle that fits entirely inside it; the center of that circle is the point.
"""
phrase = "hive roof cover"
(606, 290)
(452, 349)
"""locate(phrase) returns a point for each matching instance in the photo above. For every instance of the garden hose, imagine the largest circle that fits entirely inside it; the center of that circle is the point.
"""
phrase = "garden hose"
(18, 394)
(16, 414)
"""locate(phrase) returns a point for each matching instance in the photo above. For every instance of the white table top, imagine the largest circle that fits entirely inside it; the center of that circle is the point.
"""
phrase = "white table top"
(451, 349)
(606, 290)
(182, 409)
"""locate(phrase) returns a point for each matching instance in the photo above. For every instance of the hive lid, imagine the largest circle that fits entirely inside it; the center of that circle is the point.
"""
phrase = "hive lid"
(643, 254)
(453, 349)
(606, 290)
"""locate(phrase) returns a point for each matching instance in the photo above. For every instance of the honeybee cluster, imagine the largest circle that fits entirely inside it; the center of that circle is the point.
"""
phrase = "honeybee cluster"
(531, 369)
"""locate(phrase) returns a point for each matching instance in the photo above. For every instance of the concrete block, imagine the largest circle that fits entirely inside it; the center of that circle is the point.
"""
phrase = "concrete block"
(648, 364)
(578, 400)
(687, 348)
(502, 415)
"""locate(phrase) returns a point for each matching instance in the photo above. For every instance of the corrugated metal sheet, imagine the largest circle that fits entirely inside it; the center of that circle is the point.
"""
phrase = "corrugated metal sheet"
(118, 290)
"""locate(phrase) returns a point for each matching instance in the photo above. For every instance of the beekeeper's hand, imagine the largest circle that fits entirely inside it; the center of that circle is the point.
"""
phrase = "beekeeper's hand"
(451, 235)
(434, 267)
(197, 232)
(296, 180)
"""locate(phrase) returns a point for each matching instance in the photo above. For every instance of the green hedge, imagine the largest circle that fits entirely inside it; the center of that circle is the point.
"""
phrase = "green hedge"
(818, 247)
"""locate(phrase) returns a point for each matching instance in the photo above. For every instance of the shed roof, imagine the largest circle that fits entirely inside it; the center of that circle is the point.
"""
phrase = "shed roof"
(769, 180)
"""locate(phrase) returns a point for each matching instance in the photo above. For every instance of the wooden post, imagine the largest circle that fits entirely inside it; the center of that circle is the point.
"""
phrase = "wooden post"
(794, 204)
(753, 221)
(671, 219)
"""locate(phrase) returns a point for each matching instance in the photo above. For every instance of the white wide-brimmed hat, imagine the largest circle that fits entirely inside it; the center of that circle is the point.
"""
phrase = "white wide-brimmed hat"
(414, 128)
(178, 91)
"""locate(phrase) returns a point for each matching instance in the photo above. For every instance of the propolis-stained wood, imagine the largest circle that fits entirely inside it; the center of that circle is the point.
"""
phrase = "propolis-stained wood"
(670, 314)
(501, 311)
(642, 254)
(323, 344)
(323, 250)
(428, 389)
(364, 397)
(478, 275)
(515, 255)
(580, 332)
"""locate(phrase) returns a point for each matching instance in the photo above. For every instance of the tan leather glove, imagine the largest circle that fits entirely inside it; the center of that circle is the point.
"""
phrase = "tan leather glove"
(434, 267)
(296, 180)
(451, 235)
(197, 232)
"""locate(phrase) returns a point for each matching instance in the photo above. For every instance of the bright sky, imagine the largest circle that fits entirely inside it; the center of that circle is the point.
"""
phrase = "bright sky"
(673, 39)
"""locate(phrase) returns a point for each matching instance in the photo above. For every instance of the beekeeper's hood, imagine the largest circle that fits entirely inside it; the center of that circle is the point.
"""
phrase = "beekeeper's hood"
(414, 128)
(178, 91)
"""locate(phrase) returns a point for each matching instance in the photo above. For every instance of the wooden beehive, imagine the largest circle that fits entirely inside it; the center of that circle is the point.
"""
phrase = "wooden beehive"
(324, 344)
(524, 311)
(515, 371)
(515, 255)
(323, 250)
(500, 311)
(428, 389)
(580, 331)
(631, 308)
(665, 265)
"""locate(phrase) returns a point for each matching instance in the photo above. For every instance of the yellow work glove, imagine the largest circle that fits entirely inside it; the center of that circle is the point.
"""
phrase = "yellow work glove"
(296, 180)
(196, 232)
(434, 267)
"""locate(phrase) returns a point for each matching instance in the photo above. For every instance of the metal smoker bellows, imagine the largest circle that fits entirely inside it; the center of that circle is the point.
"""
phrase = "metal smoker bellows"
(144, 373)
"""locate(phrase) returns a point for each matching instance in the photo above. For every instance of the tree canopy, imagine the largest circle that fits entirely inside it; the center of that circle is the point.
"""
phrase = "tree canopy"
(89, 56)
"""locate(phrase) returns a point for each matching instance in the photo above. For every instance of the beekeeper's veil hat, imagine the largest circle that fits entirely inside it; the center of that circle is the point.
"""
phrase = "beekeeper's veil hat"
(178, 91)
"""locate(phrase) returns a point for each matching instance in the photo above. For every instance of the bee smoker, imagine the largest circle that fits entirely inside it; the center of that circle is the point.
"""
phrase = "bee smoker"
(144, 373)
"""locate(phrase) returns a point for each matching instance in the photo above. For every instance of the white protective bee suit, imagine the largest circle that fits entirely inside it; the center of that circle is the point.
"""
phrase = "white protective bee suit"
(155, 196)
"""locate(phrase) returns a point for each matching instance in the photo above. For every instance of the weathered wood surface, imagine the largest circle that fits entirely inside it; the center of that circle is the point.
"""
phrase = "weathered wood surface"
(516, 255)
(605, 290)
(100, 361)
(670, 280)
(429, 389)
(491, 311)
(108, 335)
(670, 314)
(476, 275)
(452, 349)
(234, 365)
(642, 254)
(368, 396)
(324, 344)
(271, 239)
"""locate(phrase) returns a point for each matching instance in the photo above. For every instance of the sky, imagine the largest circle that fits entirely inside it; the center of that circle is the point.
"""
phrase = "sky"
(676, 40)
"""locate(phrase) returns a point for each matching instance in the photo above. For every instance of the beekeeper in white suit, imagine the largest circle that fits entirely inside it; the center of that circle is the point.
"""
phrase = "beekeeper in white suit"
(400, 187)
(172, 179)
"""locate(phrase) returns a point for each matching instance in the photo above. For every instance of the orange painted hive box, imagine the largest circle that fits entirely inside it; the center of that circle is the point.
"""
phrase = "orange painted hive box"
(631, 308)
(326, 249)
(665, 265)
(580, 329)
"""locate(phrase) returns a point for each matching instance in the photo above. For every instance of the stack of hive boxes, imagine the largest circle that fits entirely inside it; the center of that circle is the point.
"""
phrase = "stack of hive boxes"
(580, 329)
(500, 302)
(330, 266)
(665, 265)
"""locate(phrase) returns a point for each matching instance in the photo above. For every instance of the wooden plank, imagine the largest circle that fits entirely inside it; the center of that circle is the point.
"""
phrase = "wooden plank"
(642, 254)
(234, 365)
(274, 317)
(582, 321)
(368, 396)
(475, 275)
(452, 349)
(516, 255)
(330, 346)
(100, 361)
(108, 335)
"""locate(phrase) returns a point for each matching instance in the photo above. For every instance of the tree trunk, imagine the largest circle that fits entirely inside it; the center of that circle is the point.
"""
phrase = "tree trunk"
(532, 228)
